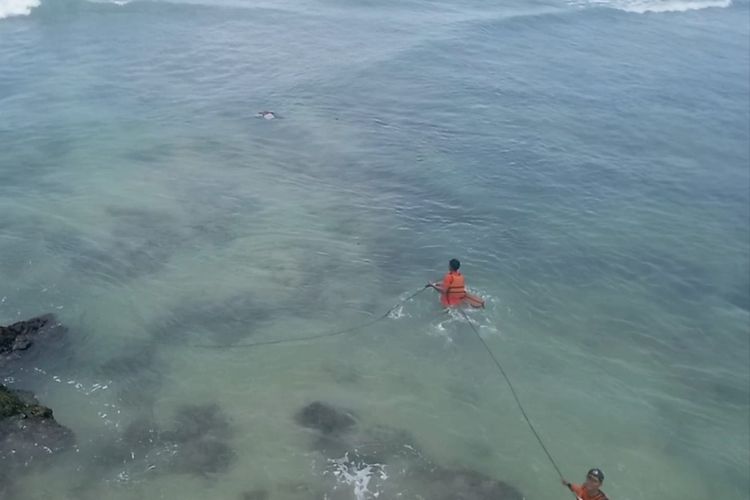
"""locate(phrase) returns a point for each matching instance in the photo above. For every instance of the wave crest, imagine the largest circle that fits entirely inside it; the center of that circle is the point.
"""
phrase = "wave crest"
(10, 8)
(656, 6)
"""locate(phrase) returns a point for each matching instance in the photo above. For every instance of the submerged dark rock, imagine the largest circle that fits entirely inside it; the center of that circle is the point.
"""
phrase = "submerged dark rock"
(338, 434)
(413, 477)
(139, 439)
(390, 461)
(373, 445)
(29, 434)
(199, 421)
(201, 440)
(438, 483)
(140, 435)
(137, 371)
(198, 442)
(37, 342)
(324, 418)
(21, 335)
(28, 430)
(203, 457)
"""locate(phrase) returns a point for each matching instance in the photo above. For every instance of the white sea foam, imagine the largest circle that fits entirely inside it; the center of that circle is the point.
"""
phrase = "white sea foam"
(654, 6)
(357, 474)
(112, 2)
(397, 313)
(10, 8)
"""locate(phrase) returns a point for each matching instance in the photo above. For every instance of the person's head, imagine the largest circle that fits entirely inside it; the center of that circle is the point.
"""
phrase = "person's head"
(594, 480)
(454, 265)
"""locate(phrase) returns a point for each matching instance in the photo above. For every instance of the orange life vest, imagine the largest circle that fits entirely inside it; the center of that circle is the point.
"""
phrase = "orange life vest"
(454, 289)
(582, 494)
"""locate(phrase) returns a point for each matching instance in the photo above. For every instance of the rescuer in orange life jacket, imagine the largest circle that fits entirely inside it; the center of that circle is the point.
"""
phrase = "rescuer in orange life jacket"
(453, 288)
(589, 490)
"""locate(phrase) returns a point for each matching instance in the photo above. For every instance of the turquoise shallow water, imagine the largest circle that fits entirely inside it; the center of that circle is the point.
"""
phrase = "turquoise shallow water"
(588, 162)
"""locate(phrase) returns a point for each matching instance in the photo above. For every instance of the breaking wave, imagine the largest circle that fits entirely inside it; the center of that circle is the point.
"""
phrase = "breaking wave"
(10, 8)
(655, 6)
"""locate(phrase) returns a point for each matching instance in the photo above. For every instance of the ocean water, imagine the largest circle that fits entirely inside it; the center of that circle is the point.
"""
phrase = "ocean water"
(588, 161)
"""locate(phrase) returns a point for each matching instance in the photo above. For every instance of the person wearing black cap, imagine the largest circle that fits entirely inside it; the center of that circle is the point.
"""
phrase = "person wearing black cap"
(589, 490)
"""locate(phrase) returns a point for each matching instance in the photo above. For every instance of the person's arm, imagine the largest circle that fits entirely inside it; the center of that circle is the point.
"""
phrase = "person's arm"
(575, 488)
(440, 286)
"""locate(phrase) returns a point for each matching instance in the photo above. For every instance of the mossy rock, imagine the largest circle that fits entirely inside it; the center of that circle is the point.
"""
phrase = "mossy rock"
(28, 432)
(14, 403)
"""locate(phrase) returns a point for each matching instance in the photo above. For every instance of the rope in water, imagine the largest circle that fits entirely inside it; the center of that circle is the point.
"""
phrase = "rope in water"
(385, 315)
(335, 333)
(515, 395)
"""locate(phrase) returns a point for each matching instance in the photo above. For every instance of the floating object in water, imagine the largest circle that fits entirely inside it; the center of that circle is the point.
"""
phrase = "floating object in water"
(473, 301)
(468, 299)
(267, 115)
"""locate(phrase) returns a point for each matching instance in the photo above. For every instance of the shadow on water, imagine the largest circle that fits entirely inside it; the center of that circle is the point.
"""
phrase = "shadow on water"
(223, 322)
(140, 243)
(150, 154)
(36, 159)
(136, 374)
(342, 372)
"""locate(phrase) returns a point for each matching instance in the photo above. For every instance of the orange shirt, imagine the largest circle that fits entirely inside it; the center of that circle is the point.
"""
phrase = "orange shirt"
(583, 494)
(453, 290)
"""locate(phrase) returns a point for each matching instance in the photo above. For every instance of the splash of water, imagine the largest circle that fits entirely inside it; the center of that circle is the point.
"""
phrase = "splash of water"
(397, 313)
(358, 474)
